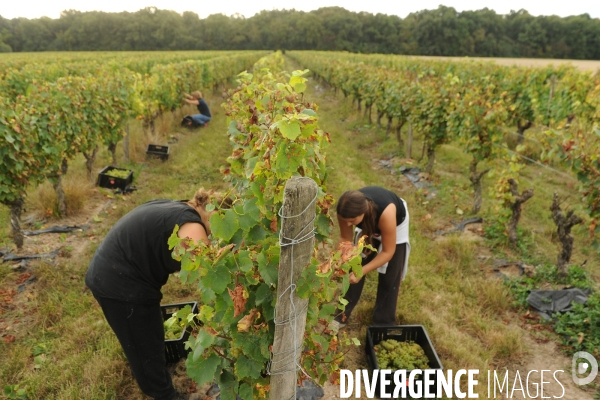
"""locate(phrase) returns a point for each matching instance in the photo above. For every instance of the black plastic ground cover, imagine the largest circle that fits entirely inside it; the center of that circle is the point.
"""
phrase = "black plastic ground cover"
(548, 302)
(57, 229)
(15, 257)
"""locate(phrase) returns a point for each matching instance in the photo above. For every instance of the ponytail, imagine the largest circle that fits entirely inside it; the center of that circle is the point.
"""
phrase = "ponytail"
(202, 197)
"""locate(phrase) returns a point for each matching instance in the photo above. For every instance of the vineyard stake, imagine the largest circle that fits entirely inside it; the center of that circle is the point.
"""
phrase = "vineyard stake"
(297, 243)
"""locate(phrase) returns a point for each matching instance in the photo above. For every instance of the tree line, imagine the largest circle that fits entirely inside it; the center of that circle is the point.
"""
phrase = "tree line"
(439, 32)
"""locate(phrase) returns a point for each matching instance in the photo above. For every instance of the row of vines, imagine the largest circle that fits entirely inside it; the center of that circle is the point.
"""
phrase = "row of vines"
(275, 136)
(55, 109)
(479, 105)
(142, 62)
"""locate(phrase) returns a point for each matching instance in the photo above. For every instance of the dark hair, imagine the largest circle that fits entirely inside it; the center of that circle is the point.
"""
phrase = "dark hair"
(353, 203)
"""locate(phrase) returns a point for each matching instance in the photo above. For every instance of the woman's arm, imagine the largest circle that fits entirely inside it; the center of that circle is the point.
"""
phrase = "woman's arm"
(194, 101)
(387, 226)
(193, 230)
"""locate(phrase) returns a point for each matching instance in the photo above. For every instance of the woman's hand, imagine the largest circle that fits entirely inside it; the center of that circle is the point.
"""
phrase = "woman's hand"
(353, 278)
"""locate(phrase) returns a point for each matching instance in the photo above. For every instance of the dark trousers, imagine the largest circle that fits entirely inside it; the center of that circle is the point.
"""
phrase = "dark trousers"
(388, 286)
(139, 328)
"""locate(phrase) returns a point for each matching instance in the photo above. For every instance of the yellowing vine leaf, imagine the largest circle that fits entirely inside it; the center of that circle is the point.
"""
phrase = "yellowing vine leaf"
(245, 323)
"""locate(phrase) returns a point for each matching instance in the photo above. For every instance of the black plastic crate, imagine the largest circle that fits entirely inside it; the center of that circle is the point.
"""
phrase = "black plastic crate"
(400, 333)
(158, 151)
(175, 348)
(113, 182)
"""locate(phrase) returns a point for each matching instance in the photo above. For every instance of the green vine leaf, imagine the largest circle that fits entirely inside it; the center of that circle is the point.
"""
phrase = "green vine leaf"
(267, 270)
(289, 129)
(203, 341)
(263, 293)
(218, 279)
(224, 225)
(203, 370)
(248, 368)
(206, 312)
(252, 210)
(246, 392)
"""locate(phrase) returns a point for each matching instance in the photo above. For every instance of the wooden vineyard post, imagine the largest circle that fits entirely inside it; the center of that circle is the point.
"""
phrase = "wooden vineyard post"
(297, 243)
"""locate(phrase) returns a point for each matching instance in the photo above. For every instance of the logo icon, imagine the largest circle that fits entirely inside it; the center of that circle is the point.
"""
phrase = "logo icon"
(581, 367)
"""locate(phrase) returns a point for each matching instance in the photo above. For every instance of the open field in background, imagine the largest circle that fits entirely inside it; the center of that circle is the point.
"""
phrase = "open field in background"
(584, 65)
(63, 349)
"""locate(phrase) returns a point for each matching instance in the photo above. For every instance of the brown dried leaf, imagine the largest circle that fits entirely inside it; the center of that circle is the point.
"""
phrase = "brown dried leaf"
(274, 225)
(325, 204)
(223, 249)
(347, 249)
(325, 267)
(212, 331)
(239, 301)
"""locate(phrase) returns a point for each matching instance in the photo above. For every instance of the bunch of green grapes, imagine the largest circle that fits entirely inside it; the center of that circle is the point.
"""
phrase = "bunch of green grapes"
(118, 173)
(392, 354)
(173, 328)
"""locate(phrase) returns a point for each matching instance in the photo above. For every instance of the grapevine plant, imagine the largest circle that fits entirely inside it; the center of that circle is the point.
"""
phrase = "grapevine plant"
(476, 118)
(275, 136)
(580, 148)
(508, 202)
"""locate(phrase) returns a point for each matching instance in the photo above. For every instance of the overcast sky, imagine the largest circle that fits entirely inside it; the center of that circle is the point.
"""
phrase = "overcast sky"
(52, 8)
